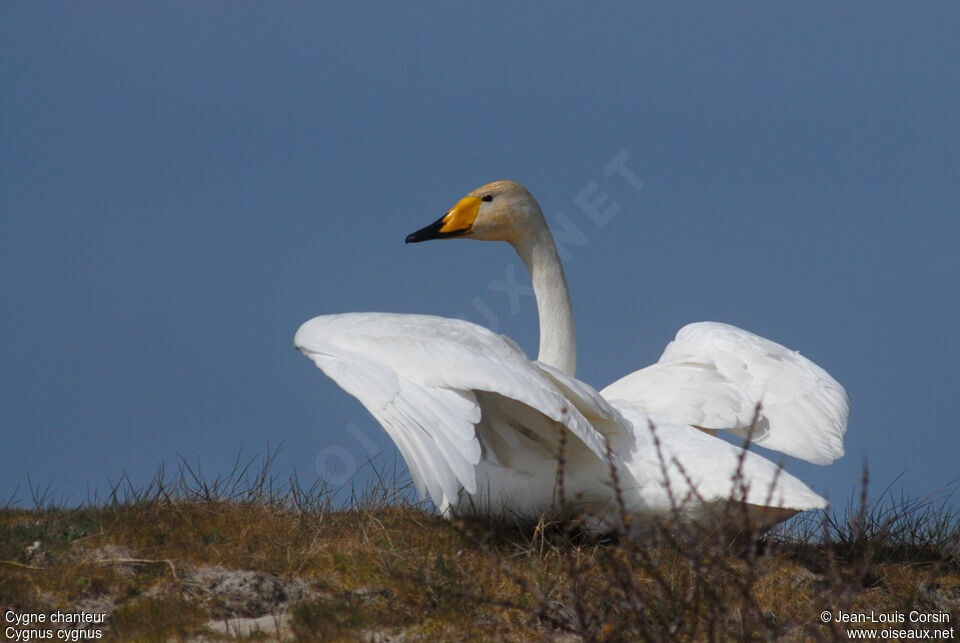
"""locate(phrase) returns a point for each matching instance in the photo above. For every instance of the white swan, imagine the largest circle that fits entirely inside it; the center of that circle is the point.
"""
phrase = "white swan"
(480, 425)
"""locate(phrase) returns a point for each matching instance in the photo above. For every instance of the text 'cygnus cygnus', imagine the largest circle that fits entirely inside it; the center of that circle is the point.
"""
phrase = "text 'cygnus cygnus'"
(480, 425)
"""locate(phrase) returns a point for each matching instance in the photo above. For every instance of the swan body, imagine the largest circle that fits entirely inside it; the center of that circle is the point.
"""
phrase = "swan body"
(485, 430)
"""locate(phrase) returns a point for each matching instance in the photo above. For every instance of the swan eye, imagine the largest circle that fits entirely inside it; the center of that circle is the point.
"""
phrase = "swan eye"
(487, 197)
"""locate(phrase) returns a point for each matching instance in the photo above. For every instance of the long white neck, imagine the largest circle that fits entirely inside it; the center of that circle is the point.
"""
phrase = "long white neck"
(558, 337)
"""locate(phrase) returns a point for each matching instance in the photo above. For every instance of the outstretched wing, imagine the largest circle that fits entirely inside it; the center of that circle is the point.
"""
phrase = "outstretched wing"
(424, 378)
(713, 376)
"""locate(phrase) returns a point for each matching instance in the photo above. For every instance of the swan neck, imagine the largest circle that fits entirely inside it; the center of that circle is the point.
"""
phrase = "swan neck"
(558, 342)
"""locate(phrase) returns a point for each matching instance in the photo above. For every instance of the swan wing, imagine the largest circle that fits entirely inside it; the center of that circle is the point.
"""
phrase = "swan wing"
(426, 380)
(713, 376)
(675, 466)
(666, 458)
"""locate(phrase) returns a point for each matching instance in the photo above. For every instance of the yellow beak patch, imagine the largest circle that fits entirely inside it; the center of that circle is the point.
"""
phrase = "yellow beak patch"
(462, 216)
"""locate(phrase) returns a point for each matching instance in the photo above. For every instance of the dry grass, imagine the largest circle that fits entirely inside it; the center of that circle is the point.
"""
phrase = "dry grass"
(185, 558)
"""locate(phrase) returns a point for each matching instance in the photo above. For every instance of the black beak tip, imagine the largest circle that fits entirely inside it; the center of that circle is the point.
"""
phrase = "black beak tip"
(426, 233)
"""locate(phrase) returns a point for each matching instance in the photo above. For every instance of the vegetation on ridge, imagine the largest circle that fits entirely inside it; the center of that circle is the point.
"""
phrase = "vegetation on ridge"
(245, 557)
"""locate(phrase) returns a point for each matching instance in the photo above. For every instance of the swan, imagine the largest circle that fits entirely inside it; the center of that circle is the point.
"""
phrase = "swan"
(485, 430)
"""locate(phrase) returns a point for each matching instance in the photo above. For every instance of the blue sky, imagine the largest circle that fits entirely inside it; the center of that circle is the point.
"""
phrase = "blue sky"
(182, 185)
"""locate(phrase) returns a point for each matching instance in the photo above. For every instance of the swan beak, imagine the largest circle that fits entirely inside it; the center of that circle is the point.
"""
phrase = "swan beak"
(455, 223)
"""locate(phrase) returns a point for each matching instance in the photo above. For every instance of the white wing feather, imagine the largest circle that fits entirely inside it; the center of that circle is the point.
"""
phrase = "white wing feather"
(418, 375)
(692, 466)
(690, 469)
(713, 375)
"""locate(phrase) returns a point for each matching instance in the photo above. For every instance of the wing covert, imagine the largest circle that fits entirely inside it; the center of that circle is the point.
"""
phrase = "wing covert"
(713, 375)
(418, 375)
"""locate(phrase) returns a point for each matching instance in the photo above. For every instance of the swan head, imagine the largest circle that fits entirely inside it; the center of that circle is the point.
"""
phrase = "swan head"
(498, 211)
